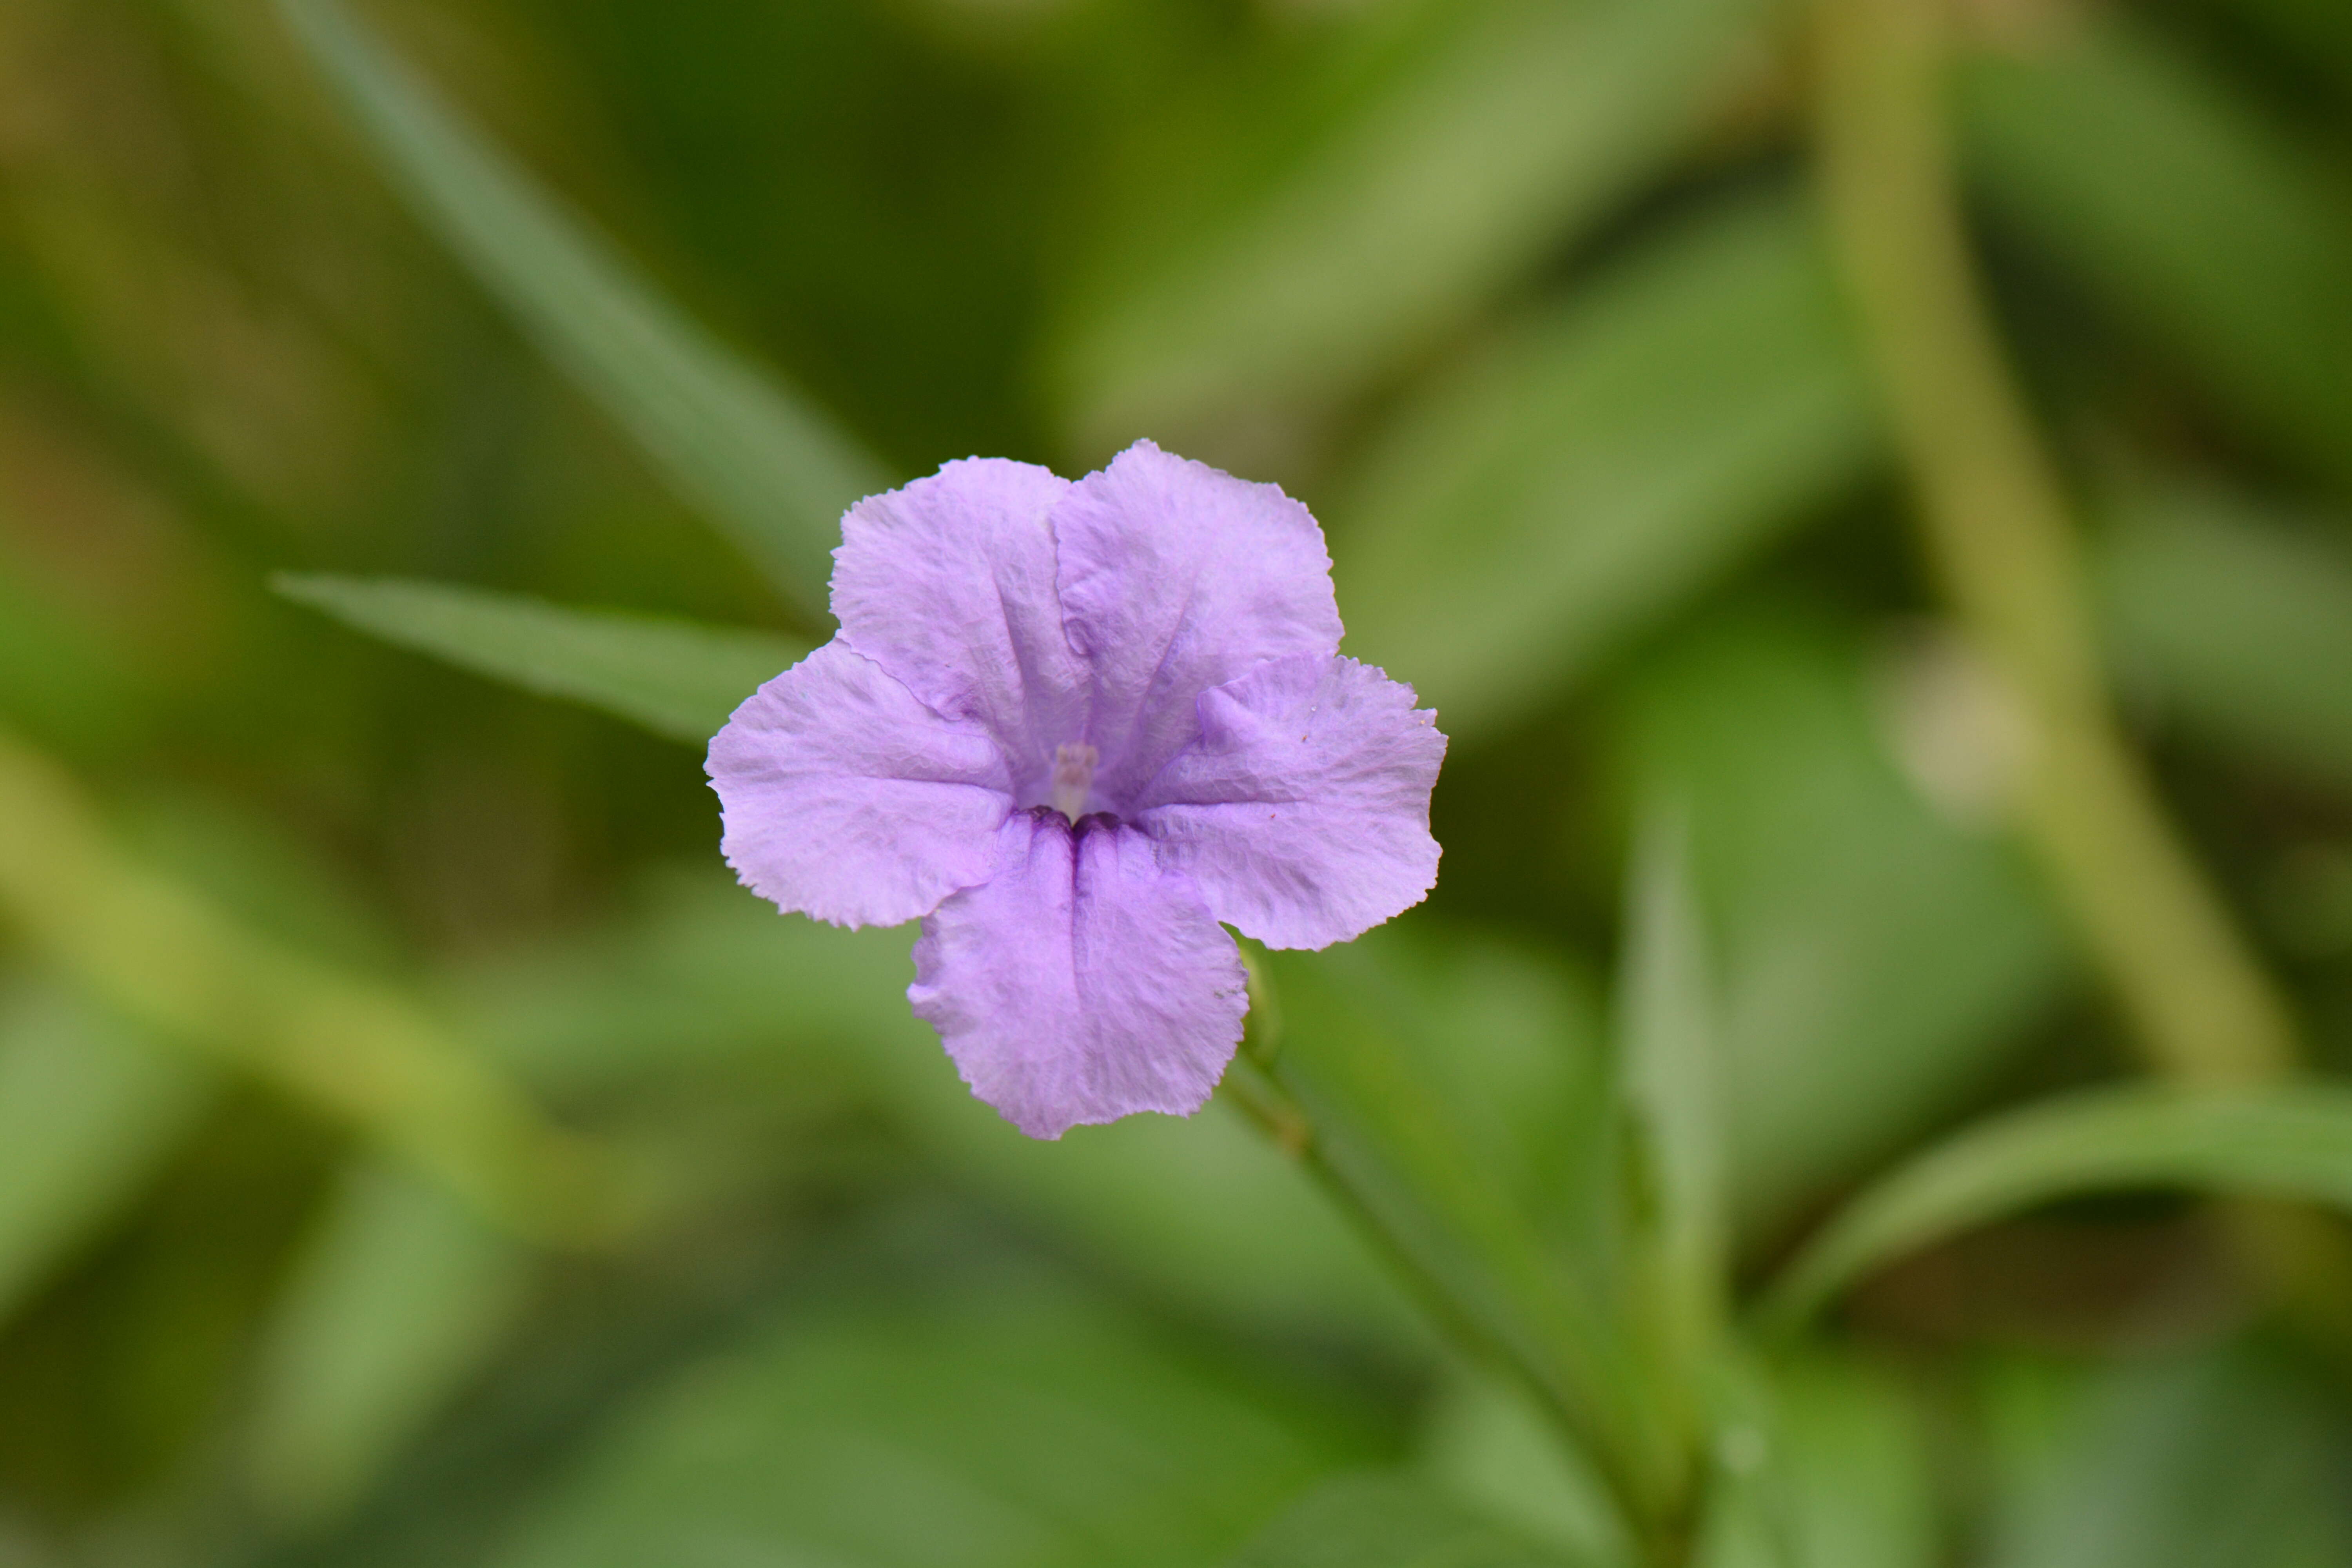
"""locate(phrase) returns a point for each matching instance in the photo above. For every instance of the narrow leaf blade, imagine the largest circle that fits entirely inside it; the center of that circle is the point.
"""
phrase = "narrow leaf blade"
(1392, 1135)
(1878, 961)
(1668, 1054)
(2292, 1142)
(677, 679)
(762, 462)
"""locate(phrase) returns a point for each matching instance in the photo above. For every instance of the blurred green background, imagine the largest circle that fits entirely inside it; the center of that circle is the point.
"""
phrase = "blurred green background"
(309, 944)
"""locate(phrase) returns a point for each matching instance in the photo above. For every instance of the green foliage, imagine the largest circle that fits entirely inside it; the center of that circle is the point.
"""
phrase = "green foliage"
(2204, 1458)
(1877, 958)
(1353, 1057)
(1825, 1464)
(1468, 138)
(1598, 464)
(2238, 628)
(88, 1113)
(2196, 221)
(676, 679)
(395, 1303)
(1671, 1066)
(767, 465)
(1385, 1522)
(1001, 1423)
(413, 1148)
(1487, 1444)
(2288, 1142)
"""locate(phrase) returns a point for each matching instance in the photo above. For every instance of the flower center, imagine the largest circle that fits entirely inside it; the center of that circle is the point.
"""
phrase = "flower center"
(1074, 777)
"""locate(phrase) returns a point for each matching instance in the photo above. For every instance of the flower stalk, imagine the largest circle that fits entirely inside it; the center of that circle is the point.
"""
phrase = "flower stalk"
(1479, 1272)
(1996, 523)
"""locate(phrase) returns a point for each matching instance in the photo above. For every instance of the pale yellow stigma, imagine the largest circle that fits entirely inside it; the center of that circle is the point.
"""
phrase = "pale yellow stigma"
(1074, 777)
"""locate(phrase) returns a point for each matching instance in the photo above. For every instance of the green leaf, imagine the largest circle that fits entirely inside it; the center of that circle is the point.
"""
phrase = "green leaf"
(761, 461)
(396, 1301)
(1018, 1426)
(2286, 1143)
(2187, 213)
(677, 679)
(1669, 1059)
(2238, 627)
(1604, 461)
(1877, 962)
(1483, 134)
(1376, 1521)
(2221, 1457)
(87, 1115)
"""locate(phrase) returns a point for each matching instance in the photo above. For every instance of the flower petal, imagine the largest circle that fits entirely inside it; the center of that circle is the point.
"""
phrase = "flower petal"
(1303, 810)
(948, 583)
(844, 798)
(1082, 982)
(1175, 578)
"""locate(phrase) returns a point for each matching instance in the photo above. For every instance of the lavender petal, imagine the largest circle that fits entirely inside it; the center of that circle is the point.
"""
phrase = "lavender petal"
(1303, 810)
(1082, 982)
(948, 583)
(846, 798)
(1175, 578)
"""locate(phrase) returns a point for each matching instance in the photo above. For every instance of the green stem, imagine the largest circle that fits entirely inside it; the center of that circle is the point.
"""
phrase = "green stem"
(1564, 1356)
(1997, 526)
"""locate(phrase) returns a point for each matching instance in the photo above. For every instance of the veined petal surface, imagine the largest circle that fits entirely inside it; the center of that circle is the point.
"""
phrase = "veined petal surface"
(844, 798)
(1176, 577)
(1302, 812)
(948, 583)
(1083, 981)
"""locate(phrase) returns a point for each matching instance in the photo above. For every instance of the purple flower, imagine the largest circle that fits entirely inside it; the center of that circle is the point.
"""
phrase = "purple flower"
(1075, 726)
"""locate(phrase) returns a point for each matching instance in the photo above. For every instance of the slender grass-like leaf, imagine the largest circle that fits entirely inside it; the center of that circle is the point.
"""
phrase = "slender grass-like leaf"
(1521, 519)
(1669, 1064)
(763, 462)
(2239, 629)
(390, 1308)
(88, 1113)
(2186, 212)
(1381, 1521)
(1394, 1141)
(678, 679)
(1496, 129)
(2287, 1142)
(1877, 961)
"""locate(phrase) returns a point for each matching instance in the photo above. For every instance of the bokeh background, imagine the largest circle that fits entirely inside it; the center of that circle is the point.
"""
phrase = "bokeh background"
(1532, 304)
